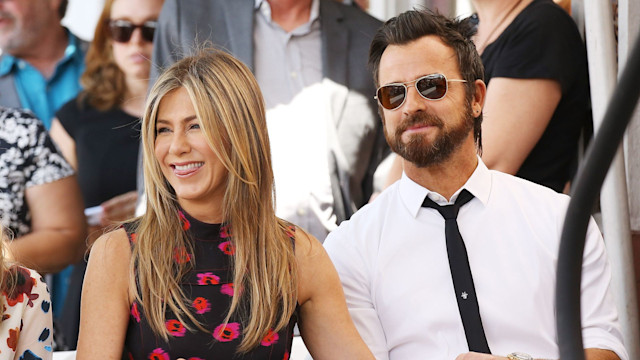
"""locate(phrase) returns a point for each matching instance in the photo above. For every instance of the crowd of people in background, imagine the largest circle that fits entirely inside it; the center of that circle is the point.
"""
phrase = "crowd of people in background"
(200, 152)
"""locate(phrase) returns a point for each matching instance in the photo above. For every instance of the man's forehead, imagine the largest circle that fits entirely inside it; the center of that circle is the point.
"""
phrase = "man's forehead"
(426, 55)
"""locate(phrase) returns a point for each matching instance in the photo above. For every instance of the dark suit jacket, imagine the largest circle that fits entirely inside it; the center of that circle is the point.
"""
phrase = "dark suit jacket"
(358, 145)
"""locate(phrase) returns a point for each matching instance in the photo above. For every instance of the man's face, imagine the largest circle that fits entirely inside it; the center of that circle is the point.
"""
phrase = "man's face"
(425, 132)
(22, 23)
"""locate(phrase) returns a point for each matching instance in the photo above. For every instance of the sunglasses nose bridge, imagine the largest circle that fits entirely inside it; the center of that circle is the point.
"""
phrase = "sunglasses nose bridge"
(414, 100)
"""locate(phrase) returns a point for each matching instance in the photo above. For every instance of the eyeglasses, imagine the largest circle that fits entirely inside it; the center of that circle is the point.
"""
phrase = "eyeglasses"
(121, 30)
(430, 87)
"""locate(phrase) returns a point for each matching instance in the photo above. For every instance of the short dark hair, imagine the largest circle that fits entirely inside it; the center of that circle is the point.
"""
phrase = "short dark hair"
(455, 33)
(62, 10)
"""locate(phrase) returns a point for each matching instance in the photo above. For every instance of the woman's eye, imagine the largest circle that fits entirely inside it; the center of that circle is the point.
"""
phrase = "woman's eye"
(162, 130)
(194, 126)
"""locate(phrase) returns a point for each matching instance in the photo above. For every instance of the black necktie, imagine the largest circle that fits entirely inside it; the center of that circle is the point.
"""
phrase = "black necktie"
(461, 273)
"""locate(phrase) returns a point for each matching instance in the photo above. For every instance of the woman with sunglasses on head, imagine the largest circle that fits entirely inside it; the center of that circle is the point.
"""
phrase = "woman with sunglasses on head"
(209, 271)
(98, 132)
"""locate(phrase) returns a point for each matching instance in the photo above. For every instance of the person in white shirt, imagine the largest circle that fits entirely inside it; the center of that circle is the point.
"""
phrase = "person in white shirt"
(393, 256)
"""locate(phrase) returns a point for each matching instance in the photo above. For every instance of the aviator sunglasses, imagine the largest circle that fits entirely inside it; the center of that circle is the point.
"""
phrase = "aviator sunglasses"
(121, 30)
(430, 87)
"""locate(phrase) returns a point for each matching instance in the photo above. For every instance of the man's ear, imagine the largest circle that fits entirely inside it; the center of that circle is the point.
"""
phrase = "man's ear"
(477, 102)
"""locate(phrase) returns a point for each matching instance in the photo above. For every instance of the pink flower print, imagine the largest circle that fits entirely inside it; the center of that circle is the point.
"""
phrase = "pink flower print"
(291, 231)
(175, 328)
(195, 358)
(181, 255)
(227, 289)
(227, 247)
(208, 279)
(270, 339)
(225, 231)
(227, 332)
(135, 312)
(185, 223)
(201, 305)
(158, 354)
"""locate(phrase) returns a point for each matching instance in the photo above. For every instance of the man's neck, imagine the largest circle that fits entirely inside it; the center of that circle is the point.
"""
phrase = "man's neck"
(44, 55)
(290, 14)
(449, 176)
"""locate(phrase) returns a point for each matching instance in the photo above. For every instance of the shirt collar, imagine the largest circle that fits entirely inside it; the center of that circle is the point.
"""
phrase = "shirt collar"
(264, 7)
(8, 61)
(413, 194)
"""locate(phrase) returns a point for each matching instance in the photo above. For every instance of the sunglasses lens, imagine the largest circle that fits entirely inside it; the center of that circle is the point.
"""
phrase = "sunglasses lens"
(148, 29)
(432, 87)
(391, 96)
(121, 31)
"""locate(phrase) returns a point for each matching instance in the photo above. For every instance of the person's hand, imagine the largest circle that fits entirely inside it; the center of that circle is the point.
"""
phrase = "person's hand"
(479, 356)
(119, 208)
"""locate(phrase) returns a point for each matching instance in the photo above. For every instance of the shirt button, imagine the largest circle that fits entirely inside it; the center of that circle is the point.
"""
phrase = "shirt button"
(21, 64)
(302, 211)
(294, 74)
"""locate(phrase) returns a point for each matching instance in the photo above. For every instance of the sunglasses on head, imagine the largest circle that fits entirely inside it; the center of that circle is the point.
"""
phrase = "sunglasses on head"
(430, 87)
(121, 30)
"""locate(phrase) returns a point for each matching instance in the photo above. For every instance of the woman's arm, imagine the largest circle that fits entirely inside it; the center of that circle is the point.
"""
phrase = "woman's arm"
(58, 229)
(104, 311)
(516, 113)
(325, 324)
(35, 338)
(65, 143)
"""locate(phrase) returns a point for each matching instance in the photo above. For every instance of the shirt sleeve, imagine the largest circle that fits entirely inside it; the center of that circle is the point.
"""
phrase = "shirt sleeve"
(35, 340)
(600, 327)
(351, 263)
(43, 162)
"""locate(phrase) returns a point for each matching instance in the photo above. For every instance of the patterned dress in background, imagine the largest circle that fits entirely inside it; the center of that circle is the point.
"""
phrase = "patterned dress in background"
(210, 288)
(28, 158)
(25, 329)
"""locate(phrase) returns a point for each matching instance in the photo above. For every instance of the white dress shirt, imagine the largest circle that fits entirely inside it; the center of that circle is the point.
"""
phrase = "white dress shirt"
(288, 68)
(392, 261)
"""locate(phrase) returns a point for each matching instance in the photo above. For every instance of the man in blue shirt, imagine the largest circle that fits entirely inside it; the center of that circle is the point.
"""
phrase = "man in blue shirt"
(41, 61)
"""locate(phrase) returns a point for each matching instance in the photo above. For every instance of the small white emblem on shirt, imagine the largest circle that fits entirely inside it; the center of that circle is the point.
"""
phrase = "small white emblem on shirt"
(464, 295)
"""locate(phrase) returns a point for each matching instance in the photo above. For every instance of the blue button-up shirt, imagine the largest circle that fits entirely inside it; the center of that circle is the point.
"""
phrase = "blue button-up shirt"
(45, 96)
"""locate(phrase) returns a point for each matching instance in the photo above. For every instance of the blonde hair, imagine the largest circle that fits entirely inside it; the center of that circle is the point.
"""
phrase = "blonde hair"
(231, 112)
(8, 278)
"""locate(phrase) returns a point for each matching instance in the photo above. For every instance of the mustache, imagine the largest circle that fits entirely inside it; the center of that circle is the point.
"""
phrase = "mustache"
(420, 119)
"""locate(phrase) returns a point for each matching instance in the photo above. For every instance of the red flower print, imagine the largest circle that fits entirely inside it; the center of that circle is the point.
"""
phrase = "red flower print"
(175, 328)
(181, 255)
(208, 279)
(227, 247)
(225, 231)
(291, 231)
(135, 312)
(12, 341)
(24, 285)
(227, 289)
(195, 358)
(185, 223)
(286, 356)
(270, 339)
(158, 354)
(201, 305)
(134, 238)
(227, 332)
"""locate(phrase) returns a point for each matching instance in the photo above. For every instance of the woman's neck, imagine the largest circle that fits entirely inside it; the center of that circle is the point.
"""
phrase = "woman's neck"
(495, 16)
(135, 96)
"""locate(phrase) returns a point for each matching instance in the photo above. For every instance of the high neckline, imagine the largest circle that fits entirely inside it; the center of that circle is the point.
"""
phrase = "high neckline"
(202, 230)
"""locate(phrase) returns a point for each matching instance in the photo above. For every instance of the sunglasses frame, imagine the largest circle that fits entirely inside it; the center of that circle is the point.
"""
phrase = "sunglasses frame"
(126, 24)
(415, 84)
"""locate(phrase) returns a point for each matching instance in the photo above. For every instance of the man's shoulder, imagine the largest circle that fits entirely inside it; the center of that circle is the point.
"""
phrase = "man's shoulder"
(522, 191)
(353, 15)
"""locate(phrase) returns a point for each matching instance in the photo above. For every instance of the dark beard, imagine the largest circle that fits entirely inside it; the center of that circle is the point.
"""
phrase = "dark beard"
(418, 150)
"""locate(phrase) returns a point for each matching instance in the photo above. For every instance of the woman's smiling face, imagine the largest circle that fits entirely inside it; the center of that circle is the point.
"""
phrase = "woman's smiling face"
(187, 161)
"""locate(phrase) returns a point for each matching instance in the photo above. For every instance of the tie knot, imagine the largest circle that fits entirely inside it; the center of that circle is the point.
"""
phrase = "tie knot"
(449, 212)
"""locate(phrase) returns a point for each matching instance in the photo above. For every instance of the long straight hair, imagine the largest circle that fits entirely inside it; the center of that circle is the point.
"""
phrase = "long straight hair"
(231, 112)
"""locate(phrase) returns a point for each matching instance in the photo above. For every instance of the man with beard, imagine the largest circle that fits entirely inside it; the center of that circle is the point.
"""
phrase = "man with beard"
(455, 260)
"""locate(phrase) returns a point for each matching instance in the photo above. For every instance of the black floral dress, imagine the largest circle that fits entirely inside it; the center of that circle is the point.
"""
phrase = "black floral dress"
(210, 287)
(28, 158)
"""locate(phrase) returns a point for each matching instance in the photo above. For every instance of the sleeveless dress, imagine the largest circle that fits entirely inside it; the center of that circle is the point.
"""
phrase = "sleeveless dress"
(209, 285)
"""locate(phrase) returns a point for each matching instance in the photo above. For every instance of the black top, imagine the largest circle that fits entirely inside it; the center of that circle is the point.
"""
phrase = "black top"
(107, 144)
(210, 288)
(543, 42)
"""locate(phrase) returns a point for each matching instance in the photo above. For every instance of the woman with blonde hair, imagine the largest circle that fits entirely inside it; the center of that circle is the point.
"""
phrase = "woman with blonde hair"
(25, 329)
(209, 270)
